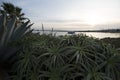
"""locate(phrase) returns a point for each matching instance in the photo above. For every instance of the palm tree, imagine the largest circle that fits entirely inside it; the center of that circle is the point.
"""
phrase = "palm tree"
(11, 10)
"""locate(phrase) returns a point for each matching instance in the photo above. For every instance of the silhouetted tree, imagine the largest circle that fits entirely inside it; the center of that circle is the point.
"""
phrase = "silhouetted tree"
(11, 10)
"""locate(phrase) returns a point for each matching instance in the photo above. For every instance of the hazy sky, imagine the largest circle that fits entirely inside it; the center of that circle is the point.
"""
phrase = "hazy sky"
(71, 14)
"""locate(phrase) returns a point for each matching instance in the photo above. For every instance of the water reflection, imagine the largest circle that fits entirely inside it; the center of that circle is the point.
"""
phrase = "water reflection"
(94, 34)
(101, 34)
(91, 34)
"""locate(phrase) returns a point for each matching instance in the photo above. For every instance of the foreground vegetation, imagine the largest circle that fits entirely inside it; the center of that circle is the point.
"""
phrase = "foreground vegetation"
(28, 56)
(76, 57)
(113, 41)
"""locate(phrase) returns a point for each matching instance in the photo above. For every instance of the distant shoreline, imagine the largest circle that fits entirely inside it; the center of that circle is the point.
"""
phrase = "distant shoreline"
(105, 31)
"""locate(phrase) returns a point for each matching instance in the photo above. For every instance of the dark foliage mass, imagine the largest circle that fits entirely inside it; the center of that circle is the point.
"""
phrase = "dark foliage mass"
(75, 57)
(114, 41)
(11, 31)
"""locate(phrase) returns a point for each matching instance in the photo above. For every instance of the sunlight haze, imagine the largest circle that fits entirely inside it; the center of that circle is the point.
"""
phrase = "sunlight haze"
(71, 14)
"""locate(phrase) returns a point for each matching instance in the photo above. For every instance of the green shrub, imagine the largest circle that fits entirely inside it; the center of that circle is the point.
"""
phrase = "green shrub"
(76, 57)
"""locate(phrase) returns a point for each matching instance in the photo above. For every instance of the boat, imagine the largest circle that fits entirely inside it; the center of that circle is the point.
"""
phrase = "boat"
(71, 32)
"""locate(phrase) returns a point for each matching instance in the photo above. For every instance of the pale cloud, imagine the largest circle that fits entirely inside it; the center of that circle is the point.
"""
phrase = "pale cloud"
(64, 14)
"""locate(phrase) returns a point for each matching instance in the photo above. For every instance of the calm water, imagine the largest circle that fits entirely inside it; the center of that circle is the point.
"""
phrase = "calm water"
(91, 34)
(102, 35)
(95, 34)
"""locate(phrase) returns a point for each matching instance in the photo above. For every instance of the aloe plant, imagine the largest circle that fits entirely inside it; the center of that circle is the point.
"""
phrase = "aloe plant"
(56, 73)
(54, 54)
(91, 72)
(9, 34)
